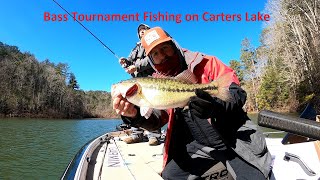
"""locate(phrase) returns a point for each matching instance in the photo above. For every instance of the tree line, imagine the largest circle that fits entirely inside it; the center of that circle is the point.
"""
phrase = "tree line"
(30, 88)
(282, 73)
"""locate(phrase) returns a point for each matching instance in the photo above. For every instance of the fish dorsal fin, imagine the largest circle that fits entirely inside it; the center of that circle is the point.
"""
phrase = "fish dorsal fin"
(187, 76)
(159, 75)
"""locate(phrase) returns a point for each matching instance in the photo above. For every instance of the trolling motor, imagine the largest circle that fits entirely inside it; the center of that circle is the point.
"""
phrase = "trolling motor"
(300, 129)
(295, 125)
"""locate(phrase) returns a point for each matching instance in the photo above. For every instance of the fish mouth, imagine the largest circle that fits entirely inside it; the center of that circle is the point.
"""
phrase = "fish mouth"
(124, 91)
(132, 90)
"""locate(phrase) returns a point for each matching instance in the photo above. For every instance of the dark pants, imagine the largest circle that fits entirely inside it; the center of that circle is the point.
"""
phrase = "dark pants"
(201, 153)
(239, 169)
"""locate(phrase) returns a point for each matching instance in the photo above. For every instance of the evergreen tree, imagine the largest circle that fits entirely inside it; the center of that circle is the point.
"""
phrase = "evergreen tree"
(236, 66)
(73, 83)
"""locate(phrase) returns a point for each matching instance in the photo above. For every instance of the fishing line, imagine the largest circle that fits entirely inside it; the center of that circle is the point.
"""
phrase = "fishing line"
(105, 46)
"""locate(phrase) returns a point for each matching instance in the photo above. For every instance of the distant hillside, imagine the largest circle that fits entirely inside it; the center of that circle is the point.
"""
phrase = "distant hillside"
(30, 88)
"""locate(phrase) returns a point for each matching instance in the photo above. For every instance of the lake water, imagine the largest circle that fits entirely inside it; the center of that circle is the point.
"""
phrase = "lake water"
(42, 148)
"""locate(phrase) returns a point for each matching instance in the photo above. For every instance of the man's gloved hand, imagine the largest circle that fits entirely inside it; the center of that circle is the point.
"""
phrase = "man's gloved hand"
(226, 116)
(203, 105)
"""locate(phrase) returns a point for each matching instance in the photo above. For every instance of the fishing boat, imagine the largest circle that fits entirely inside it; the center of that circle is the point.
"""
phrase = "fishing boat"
(296, 156)
(108, 157)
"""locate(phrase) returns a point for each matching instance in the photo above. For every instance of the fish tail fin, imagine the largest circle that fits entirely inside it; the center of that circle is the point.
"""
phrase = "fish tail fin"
(222, 83)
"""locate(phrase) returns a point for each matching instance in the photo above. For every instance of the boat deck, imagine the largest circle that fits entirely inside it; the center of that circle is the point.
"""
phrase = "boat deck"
(290, 169)
(118, 160)
(114, 159)
(129, 161)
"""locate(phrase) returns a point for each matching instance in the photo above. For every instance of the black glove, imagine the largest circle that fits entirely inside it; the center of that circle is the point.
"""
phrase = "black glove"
(201, 107)
(226, 117)
(204, 105)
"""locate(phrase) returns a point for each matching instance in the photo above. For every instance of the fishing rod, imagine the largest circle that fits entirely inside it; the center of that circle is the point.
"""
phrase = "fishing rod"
(104, 45)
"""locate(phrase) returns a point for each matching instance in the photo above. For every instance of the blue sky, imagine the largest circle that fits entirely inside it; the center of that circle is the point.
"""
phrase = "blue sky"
(22, 24)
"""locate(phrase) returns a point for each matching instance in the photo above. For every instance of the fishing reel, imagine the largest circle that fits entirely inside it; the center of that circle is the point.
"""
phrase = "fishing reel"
(126, 63)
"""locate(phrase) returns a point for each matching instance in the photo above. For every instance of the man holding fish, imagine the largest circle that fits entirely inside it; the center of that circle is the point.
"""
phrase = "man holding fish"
(209, 135)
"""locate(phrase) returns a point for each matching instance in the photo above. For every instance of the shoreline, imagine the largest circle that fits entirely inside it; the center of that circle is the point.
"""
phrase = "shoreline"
(46, 116)
(59, 116)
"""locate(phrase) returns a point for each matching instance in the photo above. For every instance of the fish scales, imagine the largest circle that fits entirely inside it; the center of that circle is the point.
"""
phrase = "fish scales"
(173, 85)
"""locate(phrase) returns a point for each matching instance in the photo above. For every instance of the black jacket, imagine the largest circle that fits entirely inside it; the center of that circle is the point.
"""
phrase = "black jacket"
(141, 61)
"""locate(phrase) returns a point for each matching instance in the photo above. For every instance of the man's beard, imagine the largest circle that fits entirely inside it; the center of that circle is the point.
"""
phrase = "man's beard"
(171, 66)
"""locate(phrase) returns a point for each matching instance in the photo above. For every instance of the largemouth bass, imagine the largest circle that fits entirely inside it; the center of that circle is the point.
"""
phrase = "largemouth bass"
(166, 92)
